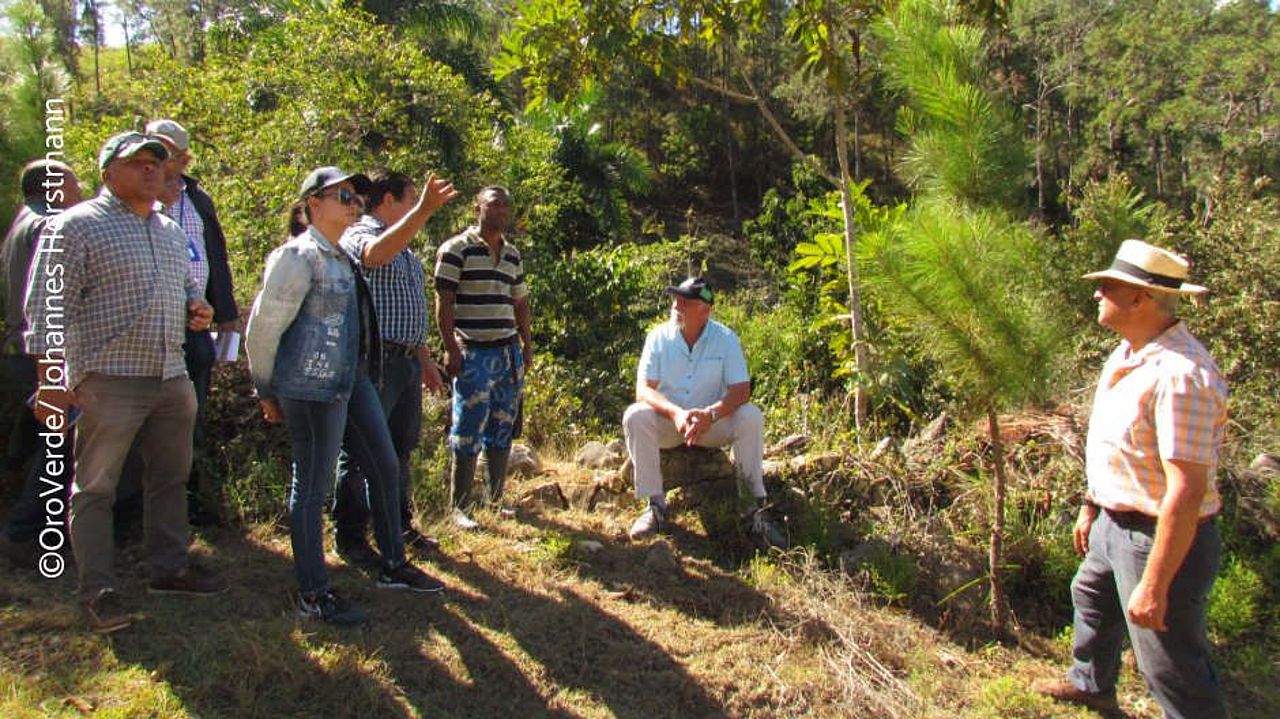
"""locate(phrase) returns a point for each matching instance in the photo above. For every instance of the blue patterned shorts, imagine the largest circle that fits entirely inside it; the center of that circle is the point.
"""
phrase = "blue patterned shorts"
(486, 398)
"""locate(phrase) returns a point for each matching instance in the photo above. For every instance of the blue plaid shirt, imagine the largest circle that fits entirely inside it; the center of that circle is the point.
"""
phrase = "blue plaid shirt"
(184, 213)
(399, 287)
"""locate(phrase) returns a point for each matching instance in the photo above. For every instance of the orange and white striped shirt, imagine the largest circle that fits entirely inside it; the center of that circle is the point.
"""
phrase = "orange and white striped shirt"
(1166, 401)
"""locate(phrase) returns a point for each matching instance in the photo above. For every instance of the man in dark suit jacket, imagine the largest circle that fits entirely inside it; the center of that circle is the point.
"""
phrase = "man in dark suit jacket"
(195, 213)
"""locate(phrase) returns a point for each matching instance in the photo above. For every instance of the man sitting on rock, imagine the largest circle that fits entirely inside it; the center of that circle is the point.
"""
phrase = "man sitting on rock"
(692, 388)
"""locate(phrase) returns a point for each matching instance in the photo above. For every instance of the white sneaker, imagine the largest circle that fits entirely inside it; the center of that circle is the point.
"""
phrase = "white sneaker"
(464, 522)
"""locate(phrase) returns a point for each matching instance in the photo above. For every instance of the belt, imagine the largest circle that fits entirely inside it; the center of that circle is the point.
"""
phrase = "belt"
(395, 349)
(1133, 518)
(488, 344)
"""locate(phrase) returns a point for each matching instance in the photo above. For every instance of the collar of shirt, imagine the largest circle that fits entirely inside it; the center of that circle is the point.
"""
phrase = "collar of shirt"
(473, 236)
(325, 245)
(372, 223)
(1127, 360)
(115, 204)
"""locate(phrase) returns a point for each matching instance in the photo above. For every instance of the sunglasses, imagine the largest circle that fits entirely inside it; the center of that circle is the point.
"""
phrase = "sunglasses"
(345, 196)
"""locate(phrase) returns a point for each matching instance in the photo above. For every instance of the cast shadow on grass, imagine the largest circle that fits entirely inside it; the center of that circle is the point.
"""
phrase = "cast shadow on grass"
(705, 586)
(587, 655)
(245, 653)
(486, 648)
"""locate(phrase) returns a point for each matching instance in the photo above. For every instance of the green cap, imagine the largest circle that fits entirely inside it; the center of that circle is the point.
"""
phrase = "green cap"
(128, 144)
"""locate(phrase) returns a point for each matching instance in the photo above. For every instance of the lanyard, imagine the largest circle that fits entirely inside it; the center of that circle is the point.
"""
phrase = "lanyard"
(182, 216)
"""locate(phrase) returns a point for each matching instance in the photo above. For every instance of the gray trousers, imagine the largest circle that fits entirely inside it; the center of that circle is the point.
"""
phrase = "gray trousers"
(1174, 663)
(160, 416)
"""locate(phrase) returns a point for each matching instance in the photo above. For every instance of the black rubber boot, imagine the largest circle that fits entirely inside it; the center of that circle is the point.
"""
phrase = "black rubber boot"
(464, 474)
(497, 461)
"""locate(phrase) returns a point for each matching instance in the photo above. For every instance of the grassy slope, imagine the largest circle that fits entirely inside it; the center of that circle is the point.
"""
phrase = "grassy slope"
(531, 626)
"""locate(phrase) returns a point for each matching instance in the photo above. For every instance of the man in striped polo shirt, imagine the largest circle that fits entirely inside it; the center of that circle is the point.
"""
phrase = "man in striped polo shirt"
(1146, 528)
(482, 310)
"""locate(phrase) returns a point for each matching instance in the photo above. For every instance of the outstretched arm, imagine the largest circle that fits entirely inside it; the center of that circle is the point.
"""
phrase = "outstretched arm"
(435, 193)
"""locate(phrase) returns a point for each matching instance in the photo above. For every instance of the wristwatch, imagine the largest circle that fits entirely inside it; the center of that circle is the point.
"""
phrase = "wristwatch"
(715, 415)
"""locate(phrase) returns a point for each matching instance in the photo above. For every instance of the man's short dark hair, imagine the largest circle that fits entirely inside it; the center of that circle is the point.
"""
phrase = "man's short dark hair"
(500, 194)
(35, 173)
(382, 181)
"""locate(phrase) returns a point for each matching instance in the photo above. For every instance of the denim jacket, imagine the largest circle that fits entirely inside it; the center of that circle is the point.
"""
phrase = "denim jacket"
(307, 333)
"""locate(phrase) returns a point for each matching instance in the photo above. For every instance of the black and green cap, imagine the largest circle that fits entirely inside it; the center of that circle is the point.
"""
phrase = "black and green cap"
(128, 144)
(694, 288)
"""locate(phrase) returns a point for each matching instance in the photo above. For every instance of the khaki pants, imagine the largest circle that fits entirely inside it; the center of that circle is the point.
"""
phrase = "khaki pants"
(647, 431)
(159, 415)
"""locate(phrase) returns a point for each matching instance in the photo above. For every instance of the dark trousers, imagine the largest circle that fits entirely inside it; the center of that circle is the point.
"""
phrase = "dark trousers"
(42, 490)
(26, 516)
(205, 485)
(400, 392)
(316, 432)
(1174, 663)
(18, 384)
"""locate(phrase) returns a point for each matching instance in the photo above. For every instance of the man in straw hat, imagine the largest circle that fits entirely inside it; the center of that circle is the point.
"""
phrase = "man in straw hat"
(1146, 530)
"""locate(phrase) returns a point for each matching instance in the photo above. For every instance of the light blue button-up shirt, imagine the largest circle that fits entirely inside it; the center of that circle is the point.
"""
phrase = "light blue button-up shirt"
(697, 377)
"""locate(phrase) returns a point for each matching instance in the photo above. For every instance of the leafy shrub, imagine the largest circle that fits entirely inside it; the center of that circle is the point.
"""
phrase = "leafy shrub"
(325, 87)
(592, 309)
(788, 360)
(554, 413)
(1235, 604)
(1236, 253)
(893, 576)
(786, 218)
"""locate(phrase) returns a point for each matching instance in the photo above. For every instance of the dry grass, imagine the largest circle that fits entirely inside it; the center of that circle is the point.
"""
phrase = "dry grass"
(531, 626)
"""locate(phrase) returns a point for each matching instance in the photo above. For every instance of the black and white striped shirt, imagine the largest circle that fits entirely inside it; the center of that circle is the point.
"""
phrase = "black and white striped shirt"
(485, 286)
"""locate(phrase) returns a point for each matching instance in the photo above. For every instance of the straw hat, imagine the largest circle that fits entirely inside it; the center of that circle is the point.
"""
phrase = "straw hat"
(1139, 263)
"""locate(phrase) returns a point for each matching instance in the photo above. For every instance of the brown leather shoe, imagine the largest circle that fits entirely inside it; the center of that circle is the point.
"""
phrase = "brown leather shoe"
(1064, 691)
(191, 581)
(104, 613)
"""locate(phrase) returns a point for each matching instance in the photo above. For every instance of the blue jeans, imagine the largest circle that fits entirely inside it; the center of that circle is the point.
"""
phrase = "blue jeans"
(400, 393)
(486, 398)
(1174, 663)
(316, 432)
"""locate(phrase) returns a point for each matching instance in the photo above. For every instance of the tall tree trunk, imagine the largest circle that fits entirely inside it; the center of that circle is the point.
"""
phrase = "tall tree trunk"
(128, 41)
(857, 106)
(1158, 157)
(1040, 133)
(728, 138)
(856, 327)
(996, 556)
(857, 143)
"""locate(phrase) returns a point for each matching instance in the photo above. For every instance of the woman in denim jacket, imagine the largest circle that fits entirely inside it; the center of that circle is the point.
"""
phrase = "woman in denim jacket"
(310, 340)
